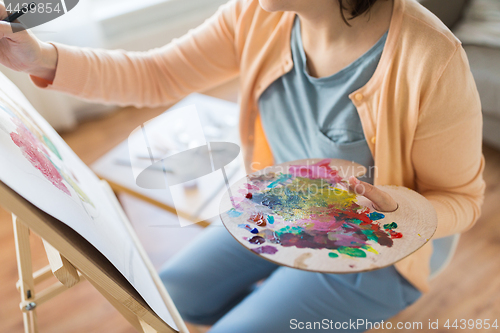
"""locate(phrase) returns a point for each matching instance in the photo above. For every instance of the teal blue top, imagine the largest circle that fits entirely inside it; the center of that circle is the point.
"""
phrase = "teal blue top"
(308, 117)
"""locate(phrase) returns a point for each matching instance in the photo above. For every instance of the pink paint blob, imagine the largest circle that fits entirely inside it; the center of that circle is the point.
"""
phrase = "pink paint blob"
(266, 249)
(317, 170)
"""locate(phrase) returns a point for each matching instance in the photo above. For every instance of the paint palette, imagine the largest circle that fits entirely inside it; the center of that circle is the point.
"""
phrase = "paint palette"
(300, 214)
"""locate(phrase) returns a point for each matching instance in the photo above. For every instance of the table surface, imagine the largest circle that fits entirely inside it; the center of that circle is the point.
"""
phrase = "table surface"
(192, 122)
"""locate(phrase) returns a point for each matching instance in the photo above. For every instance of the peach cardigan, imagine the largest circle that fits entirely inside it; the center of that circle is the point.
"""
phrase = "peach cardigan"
(420, 111)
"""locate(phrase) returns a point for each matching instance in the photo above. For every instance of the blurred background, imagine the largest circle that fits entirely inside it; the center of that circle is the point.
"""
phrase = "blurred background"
(110, 24)
(468, 288)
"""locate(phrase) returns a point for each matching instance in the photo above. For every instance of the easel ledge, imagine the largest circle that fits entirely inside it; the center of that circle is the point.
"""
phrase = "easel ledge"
(73, 259)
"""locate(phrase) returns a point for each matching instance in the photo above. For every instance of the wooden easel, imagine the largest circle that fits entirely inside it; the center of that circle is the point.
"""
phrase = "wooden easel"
(59, 266)
(73, 259)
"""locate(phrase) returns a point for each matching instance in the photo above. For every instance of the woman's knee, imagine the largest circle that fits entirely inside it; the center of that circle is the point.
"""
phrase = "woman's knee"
(188, 297)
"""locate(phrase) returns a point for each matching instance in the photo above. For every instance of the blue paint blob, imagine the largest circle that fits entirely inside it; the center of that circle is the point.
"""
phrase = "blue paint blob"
(272, 201)
(245, 226)
(254, 231)
(281, 179)
(376, 216)
(257, 198)
(233, 213)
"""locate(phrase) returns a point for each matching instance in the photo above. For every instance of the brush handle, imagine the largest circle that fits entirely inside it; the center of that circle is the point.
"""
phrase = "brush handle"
(18, 14)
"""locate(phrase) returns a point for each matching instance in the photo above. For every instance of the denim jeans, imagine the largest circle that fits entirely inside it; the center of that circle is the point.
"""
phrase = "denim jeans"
(213, 282)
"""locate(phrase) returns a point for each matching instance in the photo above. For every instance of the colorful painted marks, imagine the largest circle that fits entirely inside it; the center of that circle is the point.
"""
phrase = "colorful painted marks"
(266, 249)
(37, 148)
(306, 209)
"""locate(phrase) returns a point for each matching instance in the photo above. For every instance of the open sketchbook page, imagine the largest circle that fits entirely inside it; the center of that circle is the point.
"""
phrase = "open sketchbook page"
(40, 166)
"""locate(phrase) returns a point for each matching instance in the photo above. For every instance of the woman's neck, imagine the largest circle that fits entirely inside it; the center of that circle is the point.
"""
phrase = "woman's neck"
(326, 37)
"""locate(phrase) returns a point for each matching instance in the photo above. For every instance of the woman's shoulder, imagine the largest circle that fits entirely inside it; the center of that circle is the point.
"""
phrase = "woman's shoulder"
(256, 30)
(423, 46)
(253, 15)
(423, 31)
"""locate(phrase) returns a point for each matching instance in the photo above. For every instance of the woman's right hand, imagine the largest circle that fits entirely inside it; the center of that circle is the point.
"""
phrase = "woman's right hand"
(23, 52)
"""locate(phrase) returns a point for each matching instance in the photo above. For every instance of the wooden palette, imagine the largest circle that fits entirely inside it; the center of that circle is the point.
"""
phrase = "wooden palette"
(299, 214)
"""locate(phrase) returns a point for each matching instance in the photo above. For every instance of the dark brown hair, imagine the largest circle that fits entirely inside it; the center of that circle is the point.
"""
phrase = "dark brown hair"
(355, 8)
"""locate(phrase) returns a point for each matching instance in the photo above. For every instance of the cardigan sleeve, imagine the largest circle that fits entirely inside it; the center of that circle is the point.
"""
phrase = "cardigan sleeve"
(204, 57)
(447, 154)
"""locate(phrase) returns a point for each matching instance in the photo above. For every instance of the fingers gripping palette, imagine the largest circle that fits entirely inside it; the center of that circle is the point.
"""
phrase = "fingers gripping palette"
(301, 214)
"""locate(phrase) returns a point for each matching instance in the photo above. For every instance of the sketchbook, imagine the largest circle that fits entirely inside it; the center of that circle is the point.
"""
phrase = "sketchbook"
(38, 165)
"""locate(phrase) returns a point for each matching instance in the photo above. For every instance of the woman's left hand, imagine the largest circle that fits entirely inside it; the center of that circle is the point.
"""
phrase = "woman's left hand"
(382, 201)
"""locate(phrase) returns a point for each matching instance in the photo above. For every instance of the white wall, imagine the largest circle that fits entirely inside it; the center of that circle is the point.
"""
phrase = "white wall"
(124, 24)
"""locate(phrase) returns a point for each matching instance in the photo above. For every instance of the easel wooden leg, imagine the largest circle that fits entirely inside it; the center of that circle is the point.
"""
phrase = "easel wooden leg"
(59, 267)
(62, 269)
(30, 323)
(84, 256)
(25, 271)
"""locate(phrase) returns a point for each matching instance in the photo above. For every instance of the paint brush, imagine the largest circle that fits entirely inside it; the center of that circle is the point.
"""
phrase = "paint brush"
(11, 18)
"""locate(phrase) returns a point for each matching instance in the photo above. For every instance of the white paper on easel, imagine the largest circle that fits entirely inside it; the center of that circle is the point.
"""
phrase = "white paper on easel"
(37, 164)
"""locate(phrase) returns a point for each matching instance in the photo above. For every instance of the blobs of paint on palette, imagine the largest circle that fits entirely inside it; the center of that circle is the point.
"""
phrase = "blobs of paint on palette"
(249, 228)
(353, 252)
(233, 213)
(374, 216)
(261, 236)
(281, 180)
(258, 219)
(315, 213)
(257, 240)
(320, 170)
(390, 228)
(266, 249)
(391, 225)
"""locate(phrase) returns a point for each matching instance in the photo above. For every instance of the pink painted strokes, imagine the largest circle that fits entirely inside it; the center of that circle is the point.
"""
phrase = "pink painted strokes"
(259, 182)
(36, 154)
(318, 170)
(251, 187)
(266, 249)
